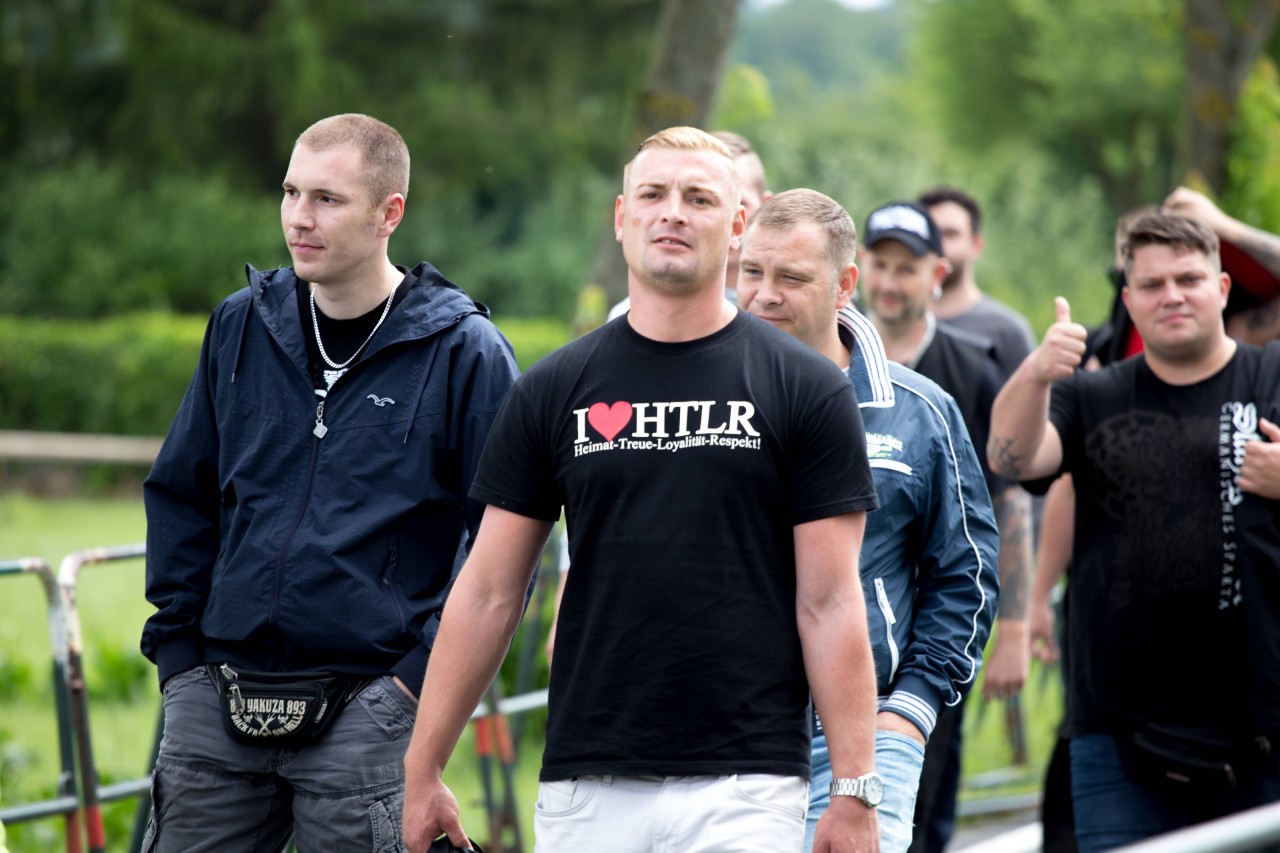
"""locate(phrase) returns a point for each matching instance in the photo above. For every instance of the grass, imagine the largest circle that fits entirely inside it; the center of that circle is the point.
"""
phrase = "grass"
(124, 699)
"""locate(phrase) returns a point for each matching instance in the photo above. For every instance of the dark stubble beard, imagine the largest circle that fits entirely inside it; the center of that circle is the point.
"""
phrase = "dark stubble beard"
(954, 276)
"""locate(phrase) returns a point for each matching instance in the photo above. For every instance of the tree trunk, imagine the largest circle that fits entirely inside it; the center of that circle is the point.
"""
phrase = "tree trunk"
(691, 48)
(1222, 42)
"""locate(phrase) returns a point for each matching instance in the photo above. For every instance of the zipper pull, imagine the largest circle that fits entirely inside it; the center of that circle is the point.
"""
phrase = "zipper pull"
(233, 689)
(320, 428)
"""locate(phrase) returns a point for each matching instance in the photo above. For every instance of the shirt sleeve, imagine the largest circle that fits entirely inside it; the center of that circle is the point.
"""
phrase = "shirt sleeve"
(831, 472)
(516, 469)
(182, 500)
(1064, 414)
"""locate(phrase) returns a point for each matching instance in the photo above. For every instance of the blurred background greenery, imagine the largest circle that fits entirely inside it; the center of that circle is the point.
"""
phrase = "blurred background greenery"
(142, 142)
(142, 145)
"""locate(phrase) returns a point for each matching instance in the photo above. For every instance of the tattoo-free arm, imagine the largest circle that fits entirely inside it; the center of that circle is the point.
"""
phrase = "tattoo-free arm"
(479, 620)
(831, 616)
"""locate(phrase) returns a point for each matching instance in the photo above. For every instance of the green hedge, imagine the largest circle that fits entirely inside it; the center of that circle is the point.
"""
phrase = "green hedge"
(126, 375)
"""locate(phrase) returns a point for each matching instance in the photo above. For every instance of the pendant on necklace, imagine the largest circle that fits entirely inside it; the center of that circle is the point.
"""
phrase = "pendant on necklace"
(331, 376)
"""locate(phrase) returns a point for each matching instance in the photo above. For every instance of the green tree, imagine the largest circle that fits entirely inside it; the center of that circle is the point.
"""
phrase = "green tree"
(1097, 84)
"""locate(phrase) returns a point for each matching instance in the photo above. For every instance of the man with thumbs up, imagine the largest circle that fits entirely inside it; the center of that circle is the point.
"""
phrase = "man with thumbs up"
(1174, 697)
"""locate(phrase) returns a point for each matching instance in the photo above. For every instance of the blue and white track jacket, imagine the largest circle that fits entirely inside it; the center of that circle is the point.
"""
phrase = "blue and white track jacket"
(928, 561)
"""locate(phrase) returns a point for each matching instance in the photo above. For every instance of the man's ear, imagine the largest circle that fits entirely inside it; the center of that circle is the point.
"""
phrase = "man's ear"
(847, 286)
(392, 214)
(940, 270)
(738, 231)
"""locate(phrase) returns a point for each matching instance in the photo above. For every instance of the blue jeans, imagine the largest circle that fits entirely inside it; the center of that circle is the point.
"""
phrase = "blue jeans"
(898, 761)
(210, 792)
(1112, 808)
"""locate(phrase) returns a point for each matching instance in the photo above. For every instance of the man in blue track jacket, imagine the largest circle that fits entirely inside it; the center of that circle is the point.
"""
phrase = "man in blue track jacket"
(307, 515)
(928, 561)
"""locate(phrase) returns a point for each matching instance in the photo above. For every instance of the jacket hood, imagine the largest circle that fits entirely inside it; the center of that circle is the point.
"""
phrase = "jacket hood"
(434, 303)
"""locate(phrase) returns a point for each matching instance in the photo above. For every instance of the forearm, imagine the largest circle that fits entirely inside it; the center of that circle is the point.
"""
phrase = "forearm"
(1057, 526)
(1009, 660)
(1013, 518)
(1018, 422)
(462, 665)
(841, 673)
(476, 628)
(1260, 245)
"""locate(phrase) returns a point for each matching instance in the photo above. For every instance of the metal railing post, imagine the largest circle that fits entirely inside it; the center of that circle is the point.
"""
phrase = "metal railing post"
(67, 802)
(68, 576)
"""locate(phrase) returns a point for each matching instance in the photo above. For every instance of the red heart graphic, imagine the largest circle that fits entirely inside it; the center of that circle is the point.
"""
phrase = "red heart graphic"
(609, 420)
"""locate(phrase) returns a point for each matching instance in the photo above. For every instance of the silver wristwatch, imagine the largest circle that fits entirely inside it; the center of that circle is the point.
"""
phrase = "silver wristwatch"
(868, 788)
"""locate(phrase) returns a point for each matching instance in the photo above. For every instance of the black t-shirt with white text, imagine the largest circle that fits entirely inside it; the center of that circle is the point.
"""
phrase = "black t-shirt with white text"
(1156, 616)
(682, 469)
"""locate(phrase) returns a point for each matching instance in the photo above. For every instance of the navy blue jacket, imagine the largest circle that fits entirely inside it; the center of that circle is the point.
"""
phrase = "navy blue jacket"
(276, 550)
(929, 554)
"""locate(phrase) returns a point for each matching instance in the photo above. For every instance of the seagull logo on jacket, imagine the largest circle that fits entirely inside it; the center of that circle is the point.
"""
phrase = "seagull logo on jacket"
(381, 401)
(667, 427)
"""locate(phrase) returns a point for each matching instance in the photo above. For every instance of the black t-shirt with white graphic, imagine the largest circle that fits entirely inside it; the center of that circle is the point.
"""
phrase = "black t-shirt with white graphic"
(682, 468)
(1156, 622)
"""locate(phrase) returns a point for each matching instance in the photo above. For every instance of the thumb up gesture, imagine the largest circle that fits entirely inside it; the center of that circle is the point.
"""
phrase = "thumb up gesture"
(1062, 349)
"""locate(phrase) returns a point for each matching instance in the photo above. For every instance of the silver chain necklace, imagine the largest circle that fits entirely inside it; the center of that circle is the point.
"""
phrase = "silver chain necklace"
(331, 376)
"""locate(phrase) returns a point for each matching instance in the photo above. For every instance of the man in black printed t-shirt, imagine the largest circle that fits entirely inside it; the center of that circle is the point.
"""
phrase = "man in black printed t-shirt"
(1175, 617)
(714, 478)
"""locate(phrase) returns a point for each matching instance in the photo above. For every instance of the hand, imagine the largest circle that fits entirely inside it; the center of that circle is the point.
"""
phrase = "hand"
(1062, 349)
(1260, 473)
(430, 810)
(847, 826)
(1042, 632)
(1006, 668)
(1187, 202)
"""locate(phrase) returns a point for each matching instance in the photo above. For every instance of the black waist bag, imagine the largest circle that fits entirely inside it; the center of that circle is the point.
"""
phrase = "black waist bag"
(281, 708)
(1185, 764)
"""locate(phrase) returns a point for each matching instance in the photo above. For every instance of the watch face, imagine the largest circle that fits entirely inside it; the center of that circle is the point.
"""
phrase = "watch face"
(874, 789)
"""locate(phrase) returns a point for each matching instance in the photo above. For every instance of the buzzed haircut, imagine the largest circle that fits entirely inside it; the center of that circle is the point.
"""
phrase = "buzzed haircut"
(383, 153)
(686, 139)
(1182, 233)
(944, 194)
(788, 209)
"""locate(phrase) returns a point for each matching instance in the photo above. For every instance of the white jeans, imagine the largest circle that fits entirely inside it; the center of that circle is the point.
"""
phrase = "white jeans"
(675, 814)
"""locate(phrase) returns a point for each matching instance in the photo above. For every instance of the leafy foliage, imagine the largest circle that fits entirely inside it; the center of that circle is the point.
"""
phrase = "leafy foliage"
(126, 374)
(1096, 84)
(1252, 193)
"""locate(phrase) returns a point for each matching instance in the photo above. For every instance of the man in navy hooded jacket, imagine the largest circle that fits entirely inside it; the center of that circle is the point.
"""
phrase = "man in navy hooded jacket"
(308, 512)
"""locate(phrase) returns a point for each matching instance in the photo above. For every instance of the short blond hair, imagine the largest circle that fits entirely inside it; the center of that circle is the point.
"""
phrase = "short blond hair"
(686, 139)
(382, 150)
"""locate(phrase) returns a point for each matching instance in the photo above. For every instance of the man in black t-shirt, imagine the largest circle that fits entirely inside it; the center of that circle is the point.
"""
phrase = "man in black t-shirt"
(1173, 617)
(903, 268)
(715, 493)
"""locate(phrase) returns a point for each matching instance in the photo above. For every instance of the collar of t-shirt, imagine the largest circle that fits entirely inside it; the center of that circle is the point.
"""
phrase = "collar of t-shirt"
(341, 337)
(930, 330)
